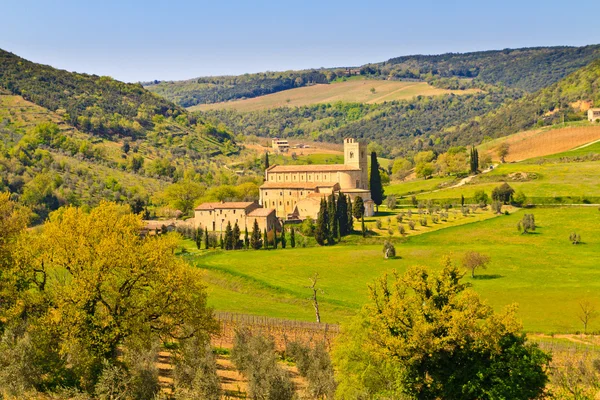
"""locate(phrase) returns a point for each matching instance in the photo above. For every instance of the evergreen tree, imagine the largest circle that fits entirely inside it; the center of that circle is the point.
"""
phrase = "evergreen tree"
(375, 182)
(266, 160)
(350, 220)
(246, 239)
(342, 215)
(221, 243)
(363, 228)
(474, 160)
(236, 236)
(275, 238)
(206, 243)
(198, 238)
(255, 240)
(228, 237)
(462, 200)
(265, 240)
(333, 225)
(293, 237)
(283, 242)
(321, 228)
(358, 209)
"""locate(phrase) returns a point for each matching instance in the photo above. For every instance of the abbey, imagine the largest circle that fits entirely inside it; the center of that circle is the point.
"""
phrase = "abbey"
(295, 191)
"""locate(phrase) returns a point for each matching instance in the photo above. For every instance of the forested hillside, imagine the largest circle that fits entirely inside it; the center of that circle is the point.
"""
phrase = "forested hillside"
(528, 69)
(560, 101)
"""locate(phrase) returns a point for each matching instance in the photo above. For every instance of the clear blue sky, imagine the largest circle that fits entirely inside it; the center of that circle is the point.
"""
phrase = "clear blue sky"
(146, 40)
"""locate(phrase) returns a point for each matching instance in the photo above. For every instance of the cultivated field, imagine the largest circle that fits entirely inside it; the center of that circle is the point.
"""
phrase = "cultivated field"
(353, 90)
(543, 272)
(543, 142)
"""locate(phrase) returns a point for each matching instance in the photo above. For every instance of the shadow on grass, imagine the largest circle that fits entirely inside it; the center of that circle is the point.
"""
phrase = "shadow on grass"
(485, 277)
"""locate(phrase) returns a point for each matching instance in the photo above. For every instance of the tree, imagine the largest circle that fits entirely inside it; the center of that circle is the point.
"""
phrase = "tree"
(462, 200)
(266, 160)
(116, 289)
(255, 240)
(401, 168)
(375, 182)
(322, 226)
(183, 195)
(198, 238)
(228, 237)
(503, 151)
(283, 240)
(358, 208)
(481, 197)
(246, 238)
(428, 336)
(350, 217)
(275, 241)
(390, 202)
(293, 237)
(221, 242)
(473, 260)
(206, 241)
(265, 239)
(314, 289)
(527, 224)
(333, 221)
(575, 238)
(362, 226)
(342, 214)
(474, 160)
(126, 147)
(235, 237)
(587, 312)
(519, 198)
(389, 251)
(503, 193)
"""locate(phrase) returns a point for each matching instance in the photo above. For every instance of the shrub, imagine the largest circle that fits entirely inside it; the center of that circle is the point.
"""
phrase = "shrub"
(435, 219)
(575, 238)
(519, 198)
(401, 229)
(497, 207)
(411, 224)
(378, 224)
(473, 260)
(315, 365)
(481, 197)
(390, 202)
(195, 374)
(389, 251)
(527, 224)
(399, 217)
(423, 221)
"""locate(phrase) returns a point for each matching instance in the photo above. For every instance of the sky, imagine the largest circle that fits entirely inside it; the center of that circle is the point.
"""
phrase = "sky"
(172, 40)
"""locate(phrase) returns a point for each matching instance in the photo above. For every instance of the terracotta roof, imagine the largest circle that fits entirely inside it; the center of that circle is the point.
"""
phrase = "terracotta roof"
(225, 205)
(296, 185)
(312, 168)
(261, 212)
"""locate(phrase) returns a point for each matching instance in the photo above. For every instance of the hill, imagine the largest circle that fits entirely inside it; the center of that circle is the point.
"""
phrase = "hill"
(369, 91)
(528, 69)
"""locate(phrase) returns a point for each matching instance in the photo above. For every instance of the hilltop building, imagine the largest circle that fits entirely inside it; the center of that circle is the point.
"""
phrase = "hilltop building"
(593, 114)
(295, 191)
(280, 145)
(215, 216)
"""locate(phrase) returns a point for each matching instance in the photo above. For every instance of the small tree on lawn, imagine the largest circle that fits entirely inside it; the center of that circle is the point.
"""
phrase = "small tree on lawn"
(375, 182)
(283, 241)
(497, 207)
(503, 193)
(265, 240)
(527, 224)
(473, 260)
(503, 151)
(255, 240)
(246, 238)
(228, 237)
(481, 198)
(358, 208)
(236, 236)
(362, 226)
(587, 312)
(293, 237)
(575, 238)
(390, 202)
(198, 238)
(389, 251)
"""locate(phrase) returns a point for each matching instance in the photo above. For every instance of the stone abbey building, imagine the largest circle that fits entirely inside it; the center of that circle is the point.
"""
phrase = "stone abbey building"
(295, 191)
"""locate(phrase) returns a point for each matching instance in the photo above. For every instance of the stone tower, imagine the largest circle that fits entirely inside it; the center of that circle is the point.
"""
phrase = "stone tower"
(355, 155)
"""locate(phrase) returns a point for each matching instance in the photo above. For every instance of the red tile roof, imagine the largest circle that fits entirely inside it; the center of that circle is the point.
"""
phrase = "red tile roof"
(261, 212)
(226, 205)
(312, 168)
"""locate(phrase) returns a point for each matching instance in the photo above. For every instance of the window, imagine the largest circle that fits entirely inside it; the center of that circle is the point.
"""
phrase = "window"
(290, 193)
(234, 211)
(281, 193)
(351, 154)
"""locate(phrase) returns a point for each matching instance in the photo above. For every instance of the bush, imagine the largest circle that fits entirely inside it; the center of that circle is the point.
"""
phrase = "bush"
(481, 197)
(315, 365)
(575, 238)
(389, 251)
(378, 224)
(435, 219)
(399, 217)
(411, 224)
(519, 198)
(423, 221)
(391, 202)
(195, 374)
(527, 224)
(401, 229)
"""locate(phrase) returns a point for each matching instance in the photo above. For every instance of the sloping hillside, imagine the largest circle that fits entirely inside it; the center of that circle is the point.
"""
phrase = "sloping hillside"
(369, 91)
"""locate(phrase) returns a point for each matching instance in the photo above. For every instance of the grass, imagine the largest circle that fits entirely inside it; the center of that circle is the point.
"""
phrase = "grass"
(417, 186)
(543, 272)
(353, 90)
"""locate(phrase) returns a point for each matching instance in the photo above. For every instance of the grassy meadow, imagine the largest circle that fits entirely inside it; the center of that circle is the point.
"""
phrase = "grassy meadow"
(352, 90)
(543, 272)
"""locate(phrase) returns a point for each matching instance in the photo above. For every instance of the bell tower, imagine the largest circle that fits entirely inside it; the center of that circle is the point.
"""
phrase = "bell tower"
(355, 155)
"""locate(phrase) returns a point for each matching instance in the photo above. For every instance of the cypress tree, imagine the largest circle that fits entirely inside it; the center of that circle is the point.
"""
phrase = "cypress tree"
(350, 221)
(221, 243)
(375, 182)
(236, 236)
(283, 242)
(255, 240)
(275, 238)
(333, 225)
(228, 237)
(362, 223)
(246, 239)
(321, 228)
(198, 238)
(342, 215)
(206, 238)
(266, 160)
(358, 209)
(462, 200)
(265, 240)
(293, 238)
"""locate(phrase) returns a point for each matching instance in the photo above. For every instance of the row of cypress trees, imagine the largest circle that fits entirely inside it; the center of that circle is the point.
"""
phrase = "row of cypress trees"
(257, 240)
(335, 219)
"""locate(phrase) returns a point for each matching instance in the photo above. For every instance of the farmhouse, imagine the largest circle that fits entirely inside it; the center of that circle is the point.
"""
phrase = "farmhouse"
(292, 189)
(593, 114)
(280, 145)
(216, 216)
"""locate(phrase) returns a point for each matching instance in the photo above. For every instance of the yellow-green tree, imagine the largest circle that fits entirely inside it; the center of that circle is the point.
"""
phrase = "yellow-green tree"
(430, 337)
(89, 283)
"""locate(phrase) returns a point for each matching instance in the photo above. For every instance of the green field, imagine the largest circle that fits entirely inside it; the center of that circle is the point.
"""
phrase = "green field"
(542, 272)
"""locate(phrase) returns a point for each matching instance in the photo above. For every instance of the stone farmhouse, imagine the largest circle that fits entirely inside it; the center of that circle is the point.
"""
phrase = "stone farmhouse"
(295, 191)
(280, 145)
(215, 216)
(593, 114)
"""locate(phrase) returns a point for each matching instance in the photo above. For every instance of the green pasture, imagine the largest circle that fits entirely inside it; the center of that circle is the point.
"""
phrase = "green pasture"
(543, 272)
